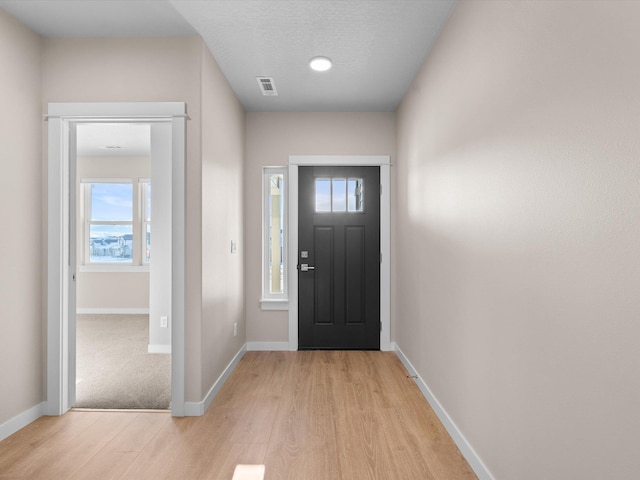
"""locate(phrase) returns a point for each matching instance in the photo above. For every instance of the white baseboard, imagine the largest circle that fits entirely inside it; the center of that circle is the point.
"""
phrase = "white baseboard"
(157, 348)
(21, 420)
(465, 447)
(197, 409)
(112, 311)
(267, 346)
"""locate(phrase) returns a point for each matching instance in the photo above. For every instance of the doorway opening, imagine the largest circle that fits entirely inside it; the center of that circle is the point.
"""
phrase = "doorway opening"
(166, 122)
(296, 162)
(121, 360)
(339, 258)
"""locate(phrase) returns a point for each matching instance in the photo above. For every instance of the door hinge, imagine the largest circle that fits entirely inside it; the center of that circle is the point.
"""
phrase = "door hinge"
(380, 189)
(380, 326)
(380, 257)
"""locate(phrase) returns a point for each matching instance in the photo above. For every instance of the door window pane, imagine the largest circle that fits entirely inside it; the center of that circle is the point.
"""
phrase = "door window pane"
(355, 195)
(323, 195)
(339, 195)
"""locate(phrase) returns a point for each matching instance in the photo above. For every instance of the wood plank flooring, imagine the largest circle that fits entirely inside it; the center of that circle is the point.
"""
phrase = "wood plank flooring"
(321, 415)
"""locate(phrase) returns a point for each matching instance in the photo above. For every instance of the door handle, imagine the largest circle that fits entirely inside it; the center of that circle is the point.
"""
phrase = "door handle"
(305, 268)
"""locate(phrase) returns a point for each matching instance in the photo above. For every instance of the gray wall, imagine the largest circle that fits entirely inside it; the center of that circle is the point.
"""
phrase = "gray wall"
(21, 217)
(271, 138)
(518, 273)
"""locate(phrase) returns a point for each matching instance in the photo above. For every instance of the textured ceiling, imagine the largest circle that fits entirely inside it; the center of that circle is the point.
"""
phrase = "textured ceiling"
(377, 46)
(99, 18)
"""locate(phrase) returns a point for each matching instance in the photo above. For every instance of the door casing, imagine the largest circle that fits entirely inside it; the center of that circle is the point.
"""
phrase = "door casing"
(62, 118)
(382, 161)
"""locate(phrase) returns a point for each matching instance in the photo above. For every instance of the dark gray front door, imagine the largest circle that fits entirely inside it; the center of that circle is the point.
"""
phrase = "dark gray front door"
(339, 258)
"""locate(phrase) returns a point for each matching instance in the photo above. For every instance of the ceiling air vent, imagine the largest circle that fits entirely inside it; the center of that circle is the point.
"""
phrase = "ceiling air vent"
(267, 86)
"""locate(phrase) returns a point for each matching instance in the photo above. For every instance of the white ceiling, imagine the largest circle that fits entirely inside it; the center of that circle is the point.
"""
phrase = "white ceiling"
(377, 45)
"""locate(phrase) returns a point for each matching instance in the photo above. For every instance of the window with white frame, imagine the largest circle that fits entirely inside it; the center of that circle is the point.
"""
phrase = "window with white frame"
(274, 252)
(116, 216)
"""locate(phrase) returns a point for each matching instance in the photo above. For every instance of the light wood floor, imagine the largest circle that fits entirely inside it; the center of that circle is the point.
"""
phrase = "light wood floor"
(305, 415)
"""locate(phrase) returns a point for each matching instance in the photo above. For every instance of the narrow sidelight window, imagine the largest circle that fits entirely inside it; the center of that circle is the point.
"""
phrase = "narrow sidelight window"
(274, 234)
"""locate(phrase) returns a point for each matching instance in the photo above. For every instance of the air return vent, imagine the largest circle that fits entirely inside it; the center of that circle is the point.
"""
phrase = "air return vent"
(267, 86)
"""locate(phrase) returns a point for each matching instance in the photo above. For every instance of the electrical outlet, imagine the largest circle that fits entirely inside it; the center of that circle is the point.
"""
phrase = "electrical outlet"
(164, 322)
(235, 329)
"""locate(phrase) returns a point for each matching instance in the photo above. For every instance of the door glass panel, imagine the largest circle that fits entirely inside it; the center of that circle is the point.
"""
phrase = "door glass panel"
(339, 195)
(355, 195)
(323, 195)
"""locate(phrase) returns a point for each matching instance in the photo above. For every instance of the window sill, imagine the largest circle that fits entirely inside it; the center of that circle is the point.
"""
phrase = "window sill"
(113, 268)
(274, 304)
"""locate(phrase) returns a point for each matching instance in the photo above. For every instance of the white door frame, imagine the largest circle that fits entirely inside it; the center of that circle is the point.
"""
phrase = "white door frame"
(382, 161)
(62, 118)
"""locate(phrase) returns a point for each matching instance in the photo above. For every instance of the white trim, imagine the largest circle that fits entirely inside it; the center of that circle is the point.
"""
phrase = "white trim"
(21, 420)
(112, 311)
(274, 304)
(385, 251)
(267, 346)
(197, 409)
(58, 268)
(107, 180)
(470, 455)
(123, 110)
(293, 255)
(338, 160)
(382, 161)
(178, 262)
(104, 268)
(158, 348)
(62, 119)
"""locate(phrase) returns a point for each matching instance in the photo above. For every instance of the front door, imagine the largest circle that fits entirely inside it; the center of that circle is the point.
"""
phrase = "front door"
(339, 258)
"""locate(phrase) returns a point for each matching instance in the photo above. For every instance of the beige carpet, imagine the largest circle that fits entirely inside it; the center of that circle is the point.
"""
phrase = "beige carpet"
(113, 367)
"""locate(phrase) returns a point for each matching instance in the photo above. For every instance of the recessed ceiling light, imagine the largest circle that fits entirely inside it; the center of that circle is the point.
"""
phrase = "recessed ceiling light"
(320, 64)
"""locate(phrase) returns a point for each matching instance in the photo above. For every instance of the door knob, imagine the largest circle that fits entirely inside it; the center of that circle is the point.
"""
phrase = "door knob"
(305, 268)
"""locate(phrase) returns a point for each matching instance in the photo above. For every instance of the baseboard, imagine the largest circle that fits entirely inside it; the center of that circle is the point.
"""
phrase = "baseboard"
(112, 311)
(465, 447)
(197, 409)
(21, 420)
(157, 348)
(267, 346)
